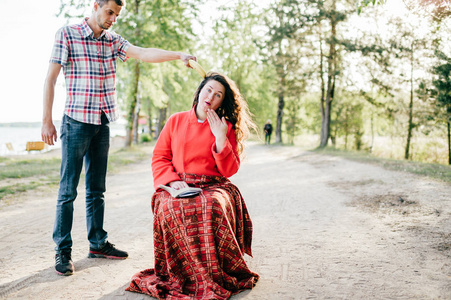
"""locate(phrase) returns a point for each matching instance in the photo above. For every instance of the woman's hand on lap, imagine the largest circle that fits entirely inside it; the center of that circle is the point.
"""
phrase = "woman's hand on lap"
(178, 185)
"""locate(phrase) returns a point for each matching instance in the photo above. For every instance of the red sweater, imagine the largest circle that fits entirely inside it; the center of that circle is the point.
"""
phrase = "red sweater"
(187, 146)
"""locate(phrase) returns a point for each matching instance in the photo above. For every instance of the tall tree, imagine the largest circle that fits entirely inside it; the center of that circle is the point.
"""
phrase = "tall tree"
(318, 21)
(158, 24)
(237, 55)
(442, 85)
(408, 50)
(278, 56)
(394, 61)
(329, 16)
(322, 18)
(284, 45)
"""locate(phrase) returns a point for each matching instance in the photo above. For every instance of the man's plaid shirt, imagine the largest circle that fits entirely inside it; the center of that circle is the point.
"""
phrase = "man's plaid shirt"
(89, 67)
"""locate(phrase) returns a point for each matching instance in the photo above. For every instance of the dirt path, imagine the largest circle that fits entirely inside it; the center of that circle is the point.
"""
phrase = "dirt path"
(325, 228)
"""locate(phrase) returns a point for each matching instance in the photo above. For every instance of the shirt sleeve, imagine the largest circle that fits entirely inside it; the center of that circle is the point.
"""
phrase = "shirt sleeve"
(228, 160)
(60, 51)
(162, 168)
(122, 49)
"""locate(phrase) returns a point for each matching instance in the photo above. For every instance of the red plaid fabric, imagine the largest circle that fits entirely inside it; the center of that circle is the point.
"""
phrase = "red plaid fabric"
(89, 67)
(199, 243)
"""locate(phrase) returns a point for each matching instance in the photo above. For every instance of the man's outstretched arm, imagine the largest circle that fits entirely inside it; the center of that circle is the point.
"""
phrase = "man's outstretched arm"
(154, 55)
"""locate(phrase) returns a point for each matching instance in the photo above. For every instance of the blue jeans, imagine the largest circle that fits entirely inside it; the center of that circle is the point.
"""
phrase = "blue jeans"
(91, 143)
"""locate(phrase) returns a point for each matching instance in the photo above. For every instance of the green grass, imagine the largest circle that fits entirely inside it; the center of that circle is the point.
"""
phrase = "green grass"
(45, 171)
(436, 171)
(22, 168)
(17, 188)
(126, 156)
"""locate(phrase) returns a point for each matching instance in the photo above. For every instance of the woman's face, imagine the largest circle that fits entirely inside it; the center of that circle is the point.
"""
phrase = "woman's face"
(211, 96)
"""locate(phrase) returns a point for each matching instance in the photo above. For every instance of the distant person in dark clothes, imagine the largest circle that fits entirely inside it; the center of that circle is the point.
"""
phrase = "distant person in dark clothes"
(268, 131)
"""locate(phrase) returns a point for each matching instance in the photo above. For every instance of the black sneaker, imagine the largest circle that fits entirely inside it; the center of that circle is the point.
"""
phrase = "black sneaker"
(63, 263)
(108, 251)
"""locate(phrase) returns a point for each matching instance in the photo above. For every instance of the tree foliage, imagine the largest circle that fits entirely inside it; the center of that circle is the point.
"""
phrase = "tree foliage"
(343, 71)
(442, 91)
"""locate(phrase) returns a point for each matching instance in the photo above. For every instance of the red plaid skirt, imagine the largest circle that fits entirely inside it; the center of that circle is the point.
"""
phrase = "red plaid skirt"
(199, 243)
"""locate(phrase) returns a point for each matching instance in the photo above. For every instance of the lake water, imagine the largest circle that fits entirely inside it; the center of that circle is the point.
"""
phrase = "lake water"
(19, 136)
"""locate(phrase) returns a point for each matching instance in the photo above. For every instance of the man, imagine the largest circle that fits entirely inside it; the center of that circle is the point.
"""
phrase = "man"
(268, 130)
(87, 53)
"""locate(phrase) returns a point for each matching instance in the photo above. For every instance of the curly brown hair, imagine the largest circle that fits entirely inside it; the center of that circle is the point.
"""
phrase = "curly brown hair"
(233, 108)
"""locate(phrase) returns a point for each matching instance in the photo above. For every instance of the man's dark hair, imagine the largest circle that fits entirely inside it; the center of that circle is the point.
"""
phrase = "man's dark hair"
(118, 2)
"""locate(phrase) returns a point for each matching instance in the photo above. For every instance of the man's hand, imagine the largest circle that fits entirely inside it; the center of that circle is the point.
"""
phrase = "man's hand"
(186, 57)
(48, 133)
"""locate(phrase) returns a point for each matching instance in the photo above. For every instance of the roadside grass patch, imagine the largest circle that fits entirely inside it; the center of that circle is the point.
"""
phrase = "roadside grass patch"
(19, 175)
(17, 188)
(126, 156)
(432, 170)
(23, 168)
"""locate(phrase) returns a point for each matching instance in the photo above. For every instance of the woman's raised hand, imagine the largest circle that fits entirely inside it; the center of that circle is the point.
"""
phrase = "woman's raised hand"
(218, 128)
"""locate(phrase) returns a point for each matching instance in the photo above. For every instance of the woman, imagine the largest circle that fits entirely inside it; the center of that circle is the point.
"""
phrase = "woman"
(199, 242)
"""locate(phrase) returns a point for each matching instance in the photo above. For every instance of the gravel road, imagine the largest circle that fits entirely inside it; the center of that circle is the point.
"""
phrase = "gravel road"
(324, 228)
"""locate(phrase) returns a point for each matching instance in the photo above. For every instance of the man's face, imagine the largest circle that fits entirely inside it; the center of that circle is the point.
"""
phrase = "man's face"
(107, 15)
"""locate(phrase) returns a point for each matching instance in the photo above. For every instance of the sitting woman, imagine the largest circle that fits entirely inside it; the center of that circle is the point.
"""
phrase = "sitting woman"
(200, 242)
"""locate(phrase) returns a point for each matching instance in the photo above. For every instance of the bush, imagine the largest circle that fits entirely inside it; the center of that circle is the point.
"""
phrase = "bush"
(145, 138)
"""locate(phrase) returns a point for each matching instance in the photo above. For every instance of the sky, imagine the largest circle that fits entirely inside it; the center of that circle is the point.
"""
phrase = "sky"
(27, 30)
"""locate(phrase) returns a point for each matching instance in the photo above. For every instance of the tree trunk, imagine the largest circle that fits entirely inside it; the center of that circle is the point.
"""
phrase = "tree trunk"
(280, 107)
(135, 83)
(323, 84)
(136, 122)
(372, 132)
(346, 128)
(410, 124)
(161, 121)
(449, 143)
(409, 130)
(281, 93)
(325, 122)
(132, 106)
(149, 121)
